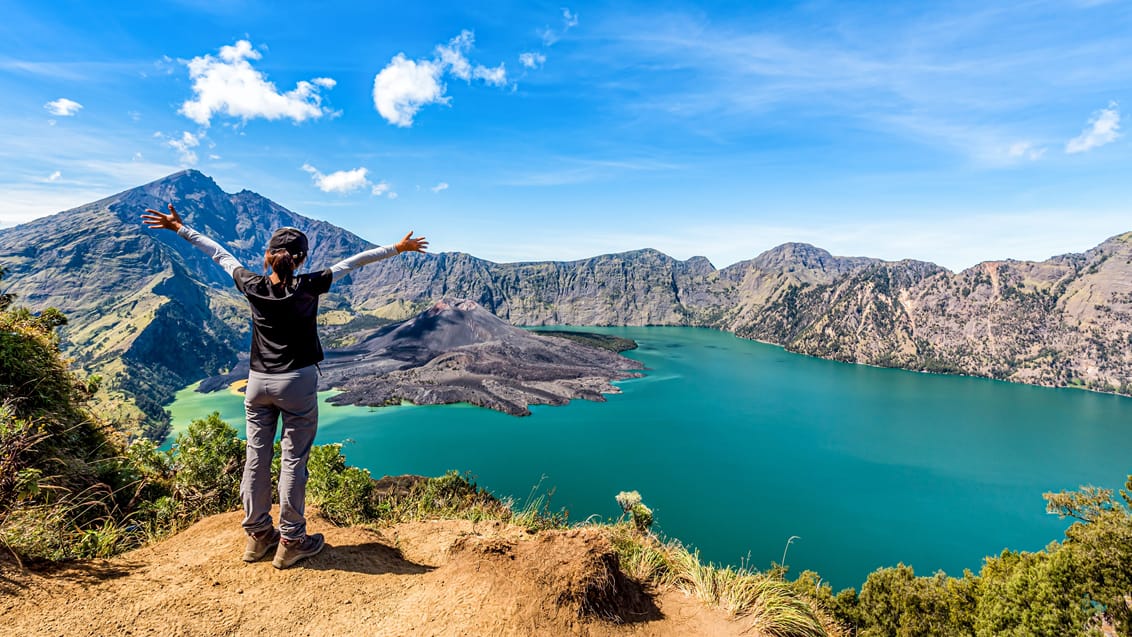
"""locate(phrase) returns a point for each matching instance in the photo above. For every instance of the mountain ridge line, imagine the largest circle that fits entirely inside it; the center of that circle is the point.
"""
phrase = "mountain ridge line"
(132, 294)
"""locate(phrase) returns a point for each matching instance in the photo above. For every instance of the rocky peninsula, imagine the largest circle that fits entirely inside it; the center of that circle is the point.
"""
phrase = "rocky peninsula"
(456, 351)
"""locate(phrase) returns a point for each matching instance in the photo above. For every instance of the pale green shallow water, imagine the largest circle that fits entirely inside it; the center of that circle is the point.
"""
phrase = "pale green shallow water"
(738, 445)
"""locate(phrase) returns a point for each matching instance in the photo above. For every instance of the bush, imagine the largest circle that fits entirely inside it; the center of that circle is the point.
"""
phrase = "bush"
(209, 464)
(1082, 585)
(343, 494)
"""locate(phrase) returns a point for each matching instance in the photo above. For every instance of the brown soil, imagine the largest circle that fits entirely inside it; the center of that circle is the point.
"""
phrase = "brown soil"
(448, 577)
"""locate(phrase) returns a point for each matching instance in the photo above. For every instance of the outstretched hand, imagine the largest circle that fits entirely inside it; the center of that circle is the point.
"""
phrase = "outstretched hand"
(412, 244)
(157, 221)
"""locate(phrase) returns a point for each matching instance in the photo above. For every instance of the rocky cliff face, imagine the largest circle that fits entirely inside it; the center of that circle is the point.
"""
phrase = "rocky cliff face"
(132, 293)
(643, 287)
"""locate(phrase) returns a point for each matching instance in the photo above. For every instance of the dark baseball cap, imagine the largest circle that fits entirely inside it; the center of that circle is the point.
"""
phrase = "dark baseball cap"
(290, 239)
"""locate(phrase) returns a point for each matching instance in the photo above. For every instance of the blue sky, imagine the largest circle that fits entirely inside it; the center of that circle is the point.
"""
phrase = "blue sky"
(953, 132)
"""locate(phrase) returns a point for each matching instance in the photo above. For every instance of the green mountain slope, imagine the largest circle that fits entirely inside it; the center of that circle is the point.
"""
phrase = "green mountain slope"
(147, 311)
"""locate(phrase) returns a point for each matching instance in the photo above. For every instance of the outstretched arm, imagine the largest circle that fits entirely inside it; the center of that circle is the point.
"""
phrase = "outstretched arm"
(408, 244)
(172, 221)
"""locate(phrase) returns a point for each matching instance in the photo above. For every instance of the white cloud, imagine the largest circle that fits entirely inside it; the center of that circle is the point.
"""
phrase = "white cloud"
(229, 85)
(404, 86)
(184, 146)
(342, 181)
(55, 176)
(347, 181)
(1026, 150)
(569, 21)
(496, 76)
(453, 56)
(1102, 130)
(532, 59)
(63, 107)
(441, 186)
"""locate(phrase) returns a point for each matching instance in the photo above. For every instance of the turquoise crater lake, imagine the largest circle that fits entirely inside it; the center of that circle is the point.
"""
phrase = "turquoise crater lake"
(738, 445)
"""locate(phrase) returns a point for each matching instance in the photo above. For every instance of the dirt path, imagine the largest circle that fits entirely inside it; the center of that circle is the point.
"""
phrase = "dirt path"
(425, 578)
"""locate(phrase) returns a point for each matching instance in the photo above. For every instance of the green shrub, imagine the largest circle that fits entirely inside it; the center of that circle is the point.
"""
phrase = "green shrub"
(343, 494)
(209, 464)
(642, 517)
(1079, 586)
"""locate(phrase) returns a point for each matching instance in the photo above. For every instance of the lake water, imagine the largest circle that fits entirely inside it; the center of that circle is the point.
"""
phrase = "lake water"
(737, 446)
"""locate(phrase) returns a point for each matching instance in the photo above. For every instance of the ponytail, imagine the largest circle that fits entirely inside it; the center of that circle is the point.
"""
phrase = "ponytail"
(283, 264)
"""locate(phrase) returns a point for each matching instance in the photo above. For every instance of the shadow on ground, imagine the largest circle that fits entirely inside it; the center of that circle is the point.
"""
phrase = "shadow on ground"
(371, 558)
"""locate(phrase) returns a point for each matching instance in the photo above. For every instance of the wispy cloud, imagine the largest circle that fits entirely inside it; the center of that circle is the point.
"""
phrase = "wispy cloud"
(492, 76)
(86, 160)
(63, 107)
(404, 86)
(439, 187)
(84, 71)
(562, 171)
(229, 85)
(26, 202)
(940, 69)
(1026, 150)
(532, 59)
(1103, 129)
(184, 146)
(551, 36)
(383, 188)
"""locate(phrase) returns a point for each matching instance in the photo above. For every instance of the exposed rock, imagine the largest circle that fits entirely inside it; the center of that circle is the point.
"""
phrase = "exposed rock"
(456, 351)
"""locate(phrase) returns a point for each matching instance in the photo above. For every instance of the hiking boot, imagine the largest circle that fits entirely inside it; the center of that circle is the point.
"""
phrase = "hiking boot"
(258, 544)
(291, 551)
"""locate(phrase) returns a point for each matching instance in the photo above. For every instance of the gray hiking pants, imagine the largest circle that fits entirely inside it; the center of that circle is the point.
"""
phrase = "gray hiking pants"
(292, 395)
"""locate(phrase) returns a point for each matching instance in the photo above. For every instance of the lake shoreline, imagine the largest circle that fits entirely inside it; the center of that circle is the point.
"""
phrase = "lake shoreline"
(769, 430)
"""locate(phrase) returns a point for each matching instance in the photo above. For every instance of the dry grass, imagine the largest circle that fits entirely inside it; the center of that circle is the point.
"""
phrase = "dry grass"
(764, 601)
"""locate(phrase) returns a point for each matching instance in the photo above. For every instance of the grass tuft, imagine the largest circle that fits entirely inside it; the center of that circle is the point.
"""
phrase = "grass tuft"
(764, 601)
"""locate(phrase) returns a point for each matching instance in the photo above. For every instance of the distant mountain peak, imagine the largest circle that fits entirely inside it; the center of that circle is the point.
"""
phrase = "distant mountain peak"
(463, 305)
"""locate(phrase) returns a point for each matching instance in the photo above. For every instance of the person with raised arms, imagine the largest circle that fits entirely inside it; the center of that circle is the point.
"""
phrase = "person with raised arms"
(283, 380)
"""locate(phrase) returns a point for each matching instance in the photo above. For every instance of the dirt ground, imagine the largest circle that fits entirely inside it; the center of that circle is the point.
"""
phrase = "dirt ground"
(448, 577)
